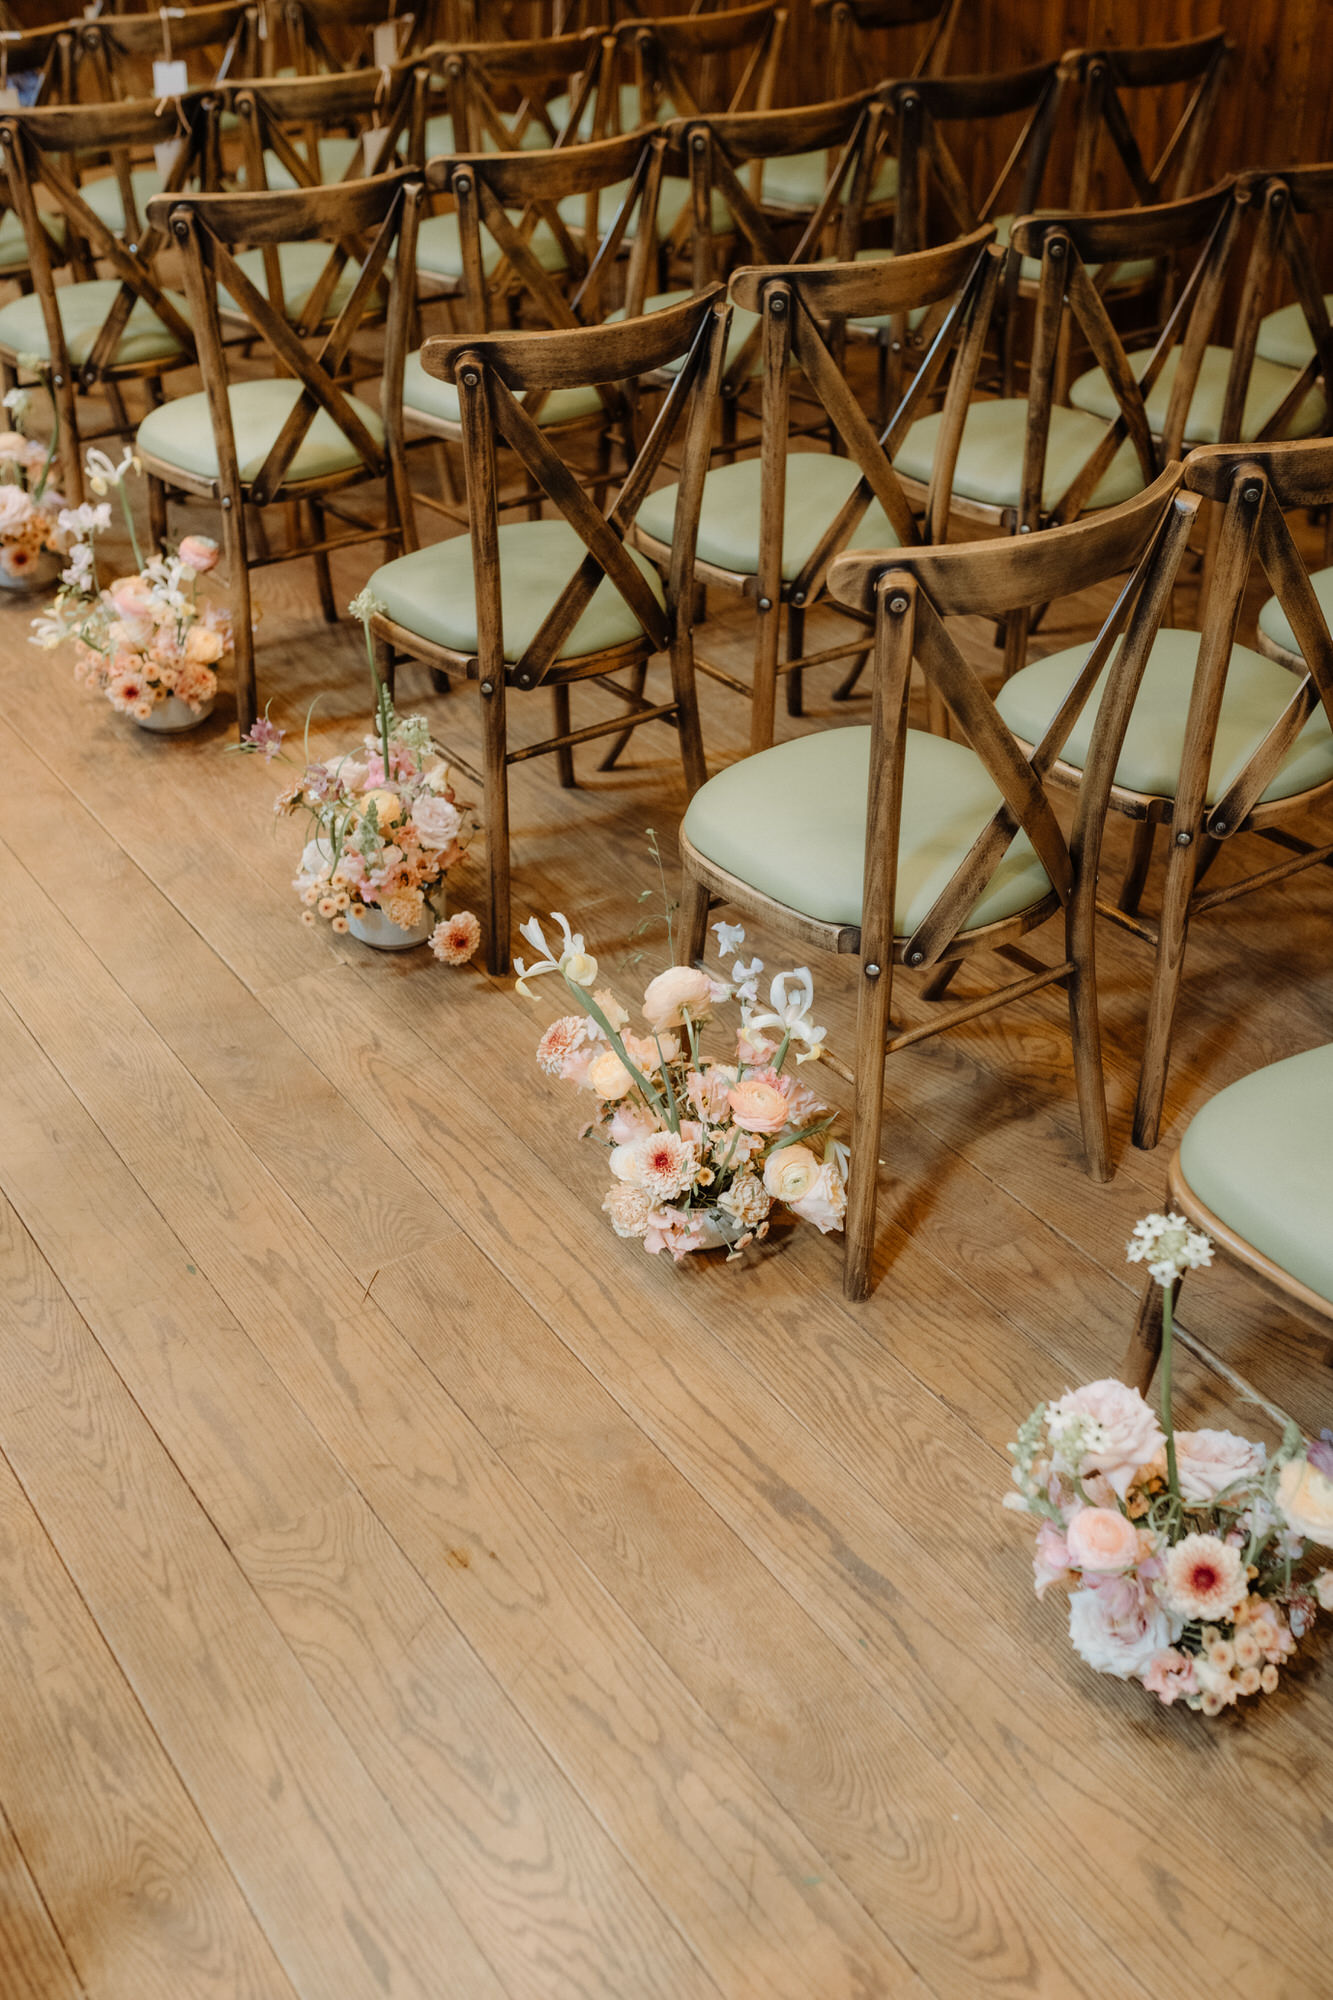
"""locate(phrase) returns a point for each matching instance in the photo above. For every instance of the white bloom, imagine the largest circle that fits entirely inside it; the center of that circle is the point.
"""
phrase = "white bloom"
(791, 1016)
(577, 964)
(730, 937)
(747, 980)
(366, 605)
(1118, 1629)
(436, 821)
(1210, 1461)
(1169, 1247)
(102, 473)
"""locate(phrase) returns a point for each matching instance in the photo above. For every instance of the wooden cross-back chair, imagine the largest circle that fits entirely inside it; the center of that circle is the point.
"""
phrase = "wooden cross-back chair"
(323, 37)
(551, 603)
(310, 131)
(689, 64)
(517, 258)
(771, 525)
(505, 96)
(909, 849)
(119, 50)
(1215, 740)
(299, 437)
(48, 55)
(1104, 77)
(863, 45)
(95, 334)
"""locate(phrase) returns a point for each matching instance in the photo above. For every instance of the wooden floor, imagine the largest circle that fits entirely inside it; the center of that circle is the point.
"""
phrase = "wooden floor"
(409, 1589)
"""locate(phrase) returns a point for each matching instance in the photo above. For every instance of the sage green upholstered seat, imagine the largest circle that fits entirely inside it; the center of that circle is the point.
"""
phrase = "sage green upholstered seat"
(1258, 1155)
(336, 152)
(1284, 336)
(817, 485)
(14, 244)
(435, 398)
(1257, 691)
(791, 821)
(180, 433)
(742, 325)
(798, 180)
(628, 113)
(672, 200)
(990, 458)
(1268, 386)
(1131, 272)
(83, 310)
(431, 592)
(103, 196)
(301, 266)
(440, 247)
(1273, 620)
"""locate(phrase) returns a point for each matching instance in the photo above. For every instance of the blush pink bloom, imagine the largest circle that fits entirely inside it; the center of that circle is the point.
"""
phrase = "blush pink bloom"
(1118, 1627)
(1210, 1461)
(707, 1090)
(681, 989)
(1205, 1578)
(200, 552)
(1132, 1434)
(1102, 1539)
(1050, 1560)
(674, 1230)
(132, 597)
(630, 1122)
(757, 1106)
(1170, 1675)
(456, 939)
(569, 1048)
(826, 1203)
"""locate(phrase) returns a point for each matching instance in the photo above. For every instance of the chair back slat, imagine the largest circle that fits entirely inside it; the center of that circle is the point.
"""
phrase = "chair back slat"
(851, 23)
(921, 109)
(117, 47)
(1103, 75)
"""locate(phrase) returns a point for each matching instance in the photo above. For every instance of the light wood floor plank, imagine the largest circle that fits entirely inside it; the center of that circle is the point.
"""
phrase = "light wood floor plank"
(33, 1959)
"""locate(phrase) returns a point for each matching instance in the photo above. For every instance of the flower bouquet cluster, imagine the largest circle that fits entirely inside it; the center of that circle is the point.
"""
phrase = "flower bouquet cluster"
(1183, 1547)
(385, 828)
(700, 1150)
(146, 641)
(31, 510)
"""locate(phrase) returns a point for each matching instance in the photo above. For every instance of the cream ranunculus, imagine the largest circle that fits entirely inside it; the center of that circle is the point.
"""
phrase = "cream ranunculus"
(609, 1077)
(1305, 1496)
(679, 990)
(791, 1172)
(826, 1202)
(203, 645)
(1102, 1539)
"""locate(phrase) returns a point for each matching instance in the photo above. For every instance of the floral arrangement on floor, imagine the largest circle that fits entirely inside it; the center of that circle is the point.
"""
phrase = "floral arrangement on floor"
(140, 639)
(701, 1150)
(31, 510)
(385, 827)
(1183, 1547)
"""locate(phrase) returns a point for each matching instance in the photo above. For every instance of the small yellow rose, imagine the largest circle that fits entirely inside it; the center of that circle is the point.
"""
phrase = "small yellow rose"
(1305, 1496)
(388, 807)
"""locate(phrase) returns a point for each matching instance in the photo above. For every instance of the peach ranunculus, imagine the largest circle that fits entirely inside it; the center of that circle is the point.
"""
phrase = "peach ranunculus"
(679, 990)
(757, 1106)
(826, 1202)
(608, 1077)
(1210, 1461)
(203, 646)
(1305, 1495)
(791, 1172)
(131, 595)
(200, 552)
(1124, 1432)
(1103, 1540)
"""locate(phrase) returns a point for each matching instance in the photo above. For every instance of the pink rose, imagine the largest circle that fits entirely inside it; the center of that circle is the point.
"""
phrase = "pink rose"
(1050, 1560)
(1102, 1539)
(131, 596)
(1131, 1435)
(436, 821)
(200, 552)
(1210, 1461)
(1118, 1627)
(757, 1106)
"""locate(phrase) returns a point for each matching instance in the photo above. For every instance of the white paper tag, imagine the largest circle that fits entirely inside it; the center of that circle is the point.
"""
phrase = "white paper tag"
(166, 153)
(170, 79)
(9, 98)
(372, 146)
(385, 45)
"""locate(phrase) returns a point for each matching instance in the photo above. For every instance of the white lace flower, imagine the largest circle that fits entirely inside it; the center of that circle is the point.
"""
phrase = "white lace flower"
(1169, 1247)
(730, 937)
(366, 605)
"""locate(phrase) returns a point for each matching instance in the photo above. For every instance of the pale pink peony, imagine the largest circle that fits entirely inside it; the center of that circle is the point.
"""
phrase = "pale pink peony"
(1210, 1461)
(757, 1106)
(1131, 1437)
(1205, 1578)
(1102, 1539)
(1050, 1559)
(679, 990)
(1118, 1627)
(826, 1203)
(200, 552)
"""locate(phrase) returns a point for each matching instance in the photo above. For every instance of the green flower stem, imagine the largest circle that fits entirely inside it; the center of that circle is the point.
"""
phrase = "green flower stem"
(590, 1007)
(128, 512)
(797, 1138)
(666, 1082)
(1168, 1343)
(782, 1054)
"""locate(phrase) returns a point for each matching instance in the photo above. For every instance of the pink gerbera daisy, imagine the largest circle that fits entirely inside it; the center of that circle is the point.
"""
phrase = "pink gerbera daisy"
(1205, 1578)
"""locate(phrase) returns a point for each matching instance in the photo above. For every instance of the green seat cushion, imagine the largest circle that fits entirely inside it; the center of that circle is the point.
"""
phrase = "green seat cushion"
(104, 198)
(13, 243)
(1258, 1155)
(672, 201)
(817, 485)
(1269, 385)
(83, 310)
(180, 433)
(1275, 624)
(440, 248)
(1131, 272)
(627, 111)
(791, 821)
(1257, 691)
(435, 398)
(990, 458)
(300, 265)
(431, 592)
(742, 326)
(1284, 336)
(336, 152)
(798, 180)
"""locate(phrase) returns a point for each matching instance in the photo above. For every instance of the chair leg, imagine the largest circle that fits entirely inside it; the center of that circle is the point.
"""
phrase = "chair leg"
(795, 648)
(243, 637)
(564, 758)
(1145, 1343)
(638, 680)
(1136, 870)
(1089, 1077)
(496, 804)
(686, 697)
(764, 694)
(61, 391)
(1173, 931)
(1016, 641)
(386, 663)
(692, 918)
(323, 574)
(157, 513)
(872, 1019)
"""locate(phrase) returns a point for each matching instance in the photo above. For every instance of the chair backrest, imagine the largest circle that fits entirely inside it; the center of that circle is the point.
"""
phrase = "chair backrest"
(922, 106)
(322, 37)
(803, 310)
(1285, 206)
(482, 81)
(373, 220)
(122, 50)
(39, 151)
(723, 156)
(910, 594)
(1105, 77)
(1204, 226)
(492, 371)
(508, 196)
(48, 54)
(285, 118)
(688, 64)
(855, 59)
